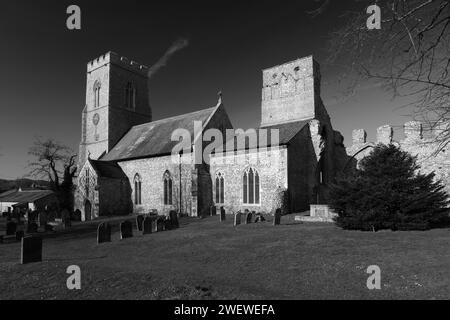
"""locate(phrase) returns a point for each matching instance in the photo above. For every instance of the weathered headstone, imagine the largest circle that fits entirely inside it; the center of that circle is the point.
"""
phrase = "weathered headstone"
(222, 214)
(65, 215)
(249, 218)
(154, 223)
(126, 230)
(139, 220)
(19, 235)
(277, 217)
(32, 227)
(11, 228)
(212, 211)
(174, 219)
(160, 224)
(237, 218)
(103, 232)
(259, 218)
(147, 225)
(31, 249)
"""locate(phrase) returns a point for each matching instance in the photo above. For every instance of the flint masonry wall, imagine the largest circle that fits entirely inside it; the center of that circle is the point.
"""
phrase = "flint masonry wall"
(415, 142)
(151, 171)
(272, 170)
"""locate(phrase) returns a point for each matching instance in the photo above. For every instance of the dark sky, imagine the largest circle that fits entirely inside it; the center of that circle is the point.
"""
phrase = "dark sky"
(230, 42)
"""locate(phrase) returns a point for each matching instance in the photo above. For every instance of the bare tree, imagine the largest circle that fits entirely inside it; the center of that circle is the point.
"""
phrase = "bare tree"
(55, 162)
(409, 55)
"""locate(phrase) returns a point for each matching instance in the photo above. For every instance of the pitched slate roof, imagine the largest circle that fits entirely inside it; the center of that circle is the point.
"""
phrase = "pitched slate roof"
(154, 138)
(25, 196)
(286, 132)
(107, 169)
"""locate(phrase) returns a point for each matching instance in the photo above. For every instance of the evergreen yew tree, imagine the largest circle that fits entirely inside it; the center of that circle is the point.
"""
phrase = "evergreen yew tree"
(389, 192)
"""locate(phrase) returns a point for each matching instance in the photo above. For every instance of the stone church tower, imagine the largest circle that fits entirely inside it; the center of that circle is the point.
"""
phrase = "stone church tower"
(116, 99)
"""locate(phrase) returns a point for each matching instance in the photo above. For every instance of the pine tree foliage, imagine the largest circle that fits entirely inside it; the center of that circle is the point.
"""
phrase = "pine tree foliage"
(388, 191)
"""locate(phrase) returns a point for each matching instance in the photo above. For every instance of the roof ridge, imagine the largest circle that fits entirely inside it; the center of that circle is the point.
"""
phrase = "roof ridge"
(175, 117)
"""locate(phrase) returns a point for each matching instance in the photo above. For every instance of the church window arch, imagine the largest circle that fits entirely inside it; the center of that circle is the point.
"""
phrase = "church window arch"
(168, 184)
(250, 186)
(97, 87)
(137, 189)
(220, 186)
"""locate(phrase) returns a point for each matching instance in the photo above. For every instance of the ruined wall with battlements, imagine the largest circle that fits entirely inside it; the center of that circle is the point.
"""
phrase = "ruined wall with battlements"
(424, 146)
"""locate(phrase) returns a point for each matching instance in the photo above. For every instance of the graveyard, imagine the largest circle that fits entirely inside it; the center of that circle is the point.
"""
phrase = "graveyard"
(217, 258)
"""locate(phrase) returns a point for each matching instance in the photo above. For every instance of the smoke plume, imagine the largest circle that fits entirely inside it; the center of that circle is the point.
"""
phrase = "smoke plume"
(176, 46)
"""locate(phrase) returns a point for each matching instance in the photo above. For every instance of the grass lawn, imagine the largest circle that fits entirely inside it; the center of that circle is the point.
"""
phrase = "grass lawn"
(206, 259)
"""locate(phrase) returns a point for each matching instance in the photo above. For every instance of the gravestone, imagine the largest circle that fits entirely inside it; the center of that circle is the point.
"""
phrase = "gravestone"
(126, 230)
(48, 227)
(103, 232)
(167, 224)
(277, 217)
(237, 218)
(248, 218)
(65, 215)
(32, 227)
(19, 235)
(174, 219)
(222, 214)
(31, 249)
(11, 228)
(147, 225)
(212, 211)
(160, 224)
(139, 220)
(154, 223)
(259, 218)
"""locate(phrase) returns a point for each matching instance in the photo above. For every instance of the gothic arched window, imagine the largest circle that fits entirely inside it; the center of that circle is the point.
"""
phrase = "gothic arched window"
(130, 96)
(137, 189)
(220, 188)
(167, 188)
(97, 87)
(250, 187)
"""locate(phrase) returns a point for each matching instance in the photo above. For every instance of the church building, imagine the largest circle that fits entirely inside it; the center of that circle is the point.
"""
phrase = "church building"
(127, 162)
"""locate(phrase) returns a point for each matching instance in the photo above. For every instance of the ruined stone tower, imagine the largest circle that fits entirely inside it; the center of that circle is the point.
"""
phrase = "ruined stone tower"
(116, 100)
(291, 92)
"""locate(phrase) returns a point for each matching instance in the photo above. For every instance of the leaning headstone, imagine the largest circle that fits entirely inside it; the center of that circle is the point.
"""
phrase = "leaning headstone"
(160, 224)
(31, 249)
(277, 217)
(32, 227)
(237, 218)
(147, 225)
(126, 230)
(19, 235)
(103, 232)
(139, 220)
(222, 214)
(174, 219)
(212, 211)
(11, 228)
(248, 217)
